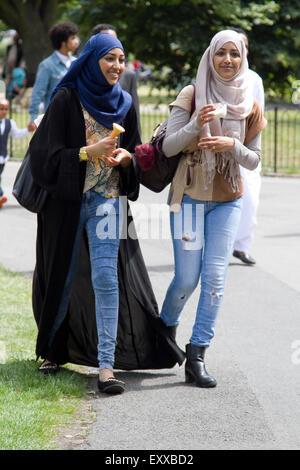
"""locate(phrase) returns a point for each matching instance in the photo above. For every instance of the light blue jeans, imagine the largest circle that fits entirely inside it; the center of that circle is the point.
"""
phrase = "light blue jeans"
(203, 234)
(101, 218)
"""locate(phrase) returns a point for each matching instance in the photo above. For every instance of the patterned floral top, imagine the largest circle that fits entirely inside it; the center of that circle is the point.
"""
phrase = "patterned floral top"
(99, 177)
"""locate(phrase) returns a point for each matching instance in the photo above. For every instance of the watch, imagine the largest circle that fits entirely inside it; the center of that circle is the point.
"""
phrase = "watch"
(83, 156)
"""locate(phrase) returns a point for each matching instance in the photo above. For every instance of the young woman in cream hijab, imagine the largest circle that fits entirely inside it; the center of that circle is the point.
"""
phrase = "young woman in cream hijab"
(206, 192)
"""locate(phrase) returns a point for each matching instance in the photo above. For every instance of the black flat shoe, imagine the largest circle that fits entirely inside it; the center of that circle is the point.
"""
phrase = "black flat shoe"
(245, 257)
(48, 368)
(112, 386)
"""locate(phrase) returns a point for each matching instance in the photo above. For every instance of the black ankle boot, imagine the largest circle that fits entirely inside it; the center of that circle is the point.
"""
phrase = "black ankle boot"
(195, 371)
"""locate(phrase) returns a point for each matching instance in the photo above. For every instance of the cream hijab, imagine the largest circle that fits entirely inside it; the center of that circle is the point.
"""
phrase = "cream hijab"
(211, 87)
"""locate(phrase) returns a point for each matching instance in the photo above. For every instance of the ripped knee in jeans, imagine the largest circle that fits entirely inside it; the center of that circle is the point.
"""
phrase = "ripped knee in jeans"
(215, 296)
(192, 241)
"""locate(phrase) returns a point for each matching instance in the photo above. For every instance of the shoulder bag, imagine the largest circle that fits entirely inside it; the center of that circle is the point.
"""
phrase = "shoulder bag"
(28, 194)
(156, 170)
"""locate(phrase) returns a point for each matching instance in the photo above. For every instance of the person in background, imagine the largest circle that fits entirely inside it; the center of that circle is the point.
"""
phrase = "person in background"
(51, 70)
(206, 191)
(7, 127)
(13, 58)
(138, 67)
(17, 84)
(128, 80)
(251, 180)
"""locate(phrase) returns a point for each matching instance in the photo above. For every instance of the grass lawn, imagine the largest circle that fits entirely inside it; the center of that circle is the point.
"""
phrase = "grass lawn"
(148, 95)
(33, 407)
(287, 141)
(149, 120)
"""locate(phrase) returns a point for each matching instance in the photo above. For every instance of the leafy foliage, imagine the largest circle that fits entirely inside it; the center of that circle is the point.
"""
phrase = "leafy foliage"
(171, 35)
(274, 49)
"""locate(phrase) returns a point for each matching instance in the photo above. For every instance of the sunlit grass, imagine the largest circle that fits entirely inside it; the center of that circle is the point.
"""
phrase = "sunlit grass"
(32, 406)
(286, 140)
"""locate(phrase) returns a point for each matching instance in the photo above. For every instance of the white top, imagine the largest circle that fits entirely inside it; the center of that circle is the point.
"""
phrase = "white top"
(37, 121)
(66, 59)
(257, 86)
(15, 132)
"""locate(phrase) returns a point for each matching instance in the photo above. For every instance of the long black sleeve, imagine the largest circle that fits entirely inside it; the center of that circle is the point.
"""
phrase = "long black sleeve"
(129, 185)
(55, 146)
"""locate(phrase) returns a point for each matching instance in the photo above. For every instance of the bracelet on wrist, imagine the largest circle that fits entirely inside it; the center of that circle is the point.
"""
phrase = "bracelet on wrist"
(83, 156)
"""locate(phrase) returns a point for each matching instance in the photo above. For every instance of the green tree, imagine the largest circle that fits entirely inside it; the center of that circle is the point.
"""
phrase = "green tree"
(170, 34)
(275, 49)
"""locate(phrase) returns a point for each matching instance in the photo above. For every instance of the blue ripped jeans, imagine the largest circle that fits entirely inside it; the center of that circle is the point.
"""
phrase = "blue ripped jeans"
(101, 218)
(203, 234)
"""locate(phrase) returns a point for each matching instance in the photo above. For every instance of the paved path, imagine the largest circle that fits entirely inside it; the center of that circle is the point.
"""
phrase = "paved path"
(255, 356)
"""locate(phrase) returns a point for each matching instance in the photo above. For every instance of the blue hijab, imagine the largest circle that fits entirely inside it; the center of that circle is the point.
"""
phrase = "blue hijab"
(106, 103)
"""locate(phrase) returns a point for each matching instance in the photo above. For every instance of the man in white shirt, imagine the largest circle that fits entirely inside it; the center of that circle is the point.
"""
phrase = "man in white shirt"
(7, 126)
(51, 70)
(251, 182)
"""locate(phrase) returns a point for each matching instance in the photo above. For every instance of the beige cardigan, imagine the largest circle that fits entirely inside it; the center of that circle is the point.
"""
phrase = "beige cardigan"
(188, 178)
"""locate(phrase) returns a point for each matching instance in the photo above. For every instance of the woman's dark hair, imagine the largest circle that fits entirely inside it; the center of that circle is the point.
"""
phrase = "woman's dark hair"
(61, 32)
(102, 27)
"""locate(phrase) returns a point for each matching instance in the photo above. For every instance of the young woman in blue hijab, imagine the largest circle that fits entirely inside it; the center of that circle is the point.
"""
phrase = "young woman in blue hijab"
(90, 305)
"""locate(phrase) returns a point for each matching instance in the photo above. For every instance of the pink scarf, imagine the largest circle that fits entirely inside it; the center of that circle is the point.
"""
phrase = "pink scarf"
(211, 87)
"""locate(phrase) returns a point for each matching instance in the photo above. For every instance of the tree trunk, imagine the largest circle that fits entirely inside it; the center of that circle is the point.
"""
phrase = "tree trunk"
(32, 19)
(36, 46)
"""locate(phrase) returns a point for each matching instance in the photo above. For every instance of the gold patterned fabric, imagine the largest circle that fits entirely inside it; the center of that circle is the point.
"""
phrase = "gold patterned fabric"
(99, 177)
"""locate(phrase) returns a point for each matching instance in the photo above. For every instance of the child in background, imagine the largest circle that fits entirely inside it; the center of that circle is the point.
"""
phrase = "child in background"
(7, 126)
(17, 83)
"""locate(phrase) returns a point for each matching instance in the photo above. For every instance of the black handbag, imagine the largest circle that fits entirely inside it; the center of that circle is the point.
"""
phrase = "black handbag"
(29, 194)
(156, 170)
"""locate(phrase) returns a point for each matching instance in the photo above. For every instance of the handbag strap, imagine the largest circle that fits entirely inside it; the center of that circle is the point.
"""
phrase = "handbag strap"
(160, 130)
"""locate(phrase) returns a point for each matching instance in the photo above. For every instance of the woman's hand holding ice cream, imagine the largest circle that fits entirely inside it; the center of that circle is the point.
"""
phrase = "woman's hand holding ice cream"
(106, 148)
(214, 143)
(206, 115)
